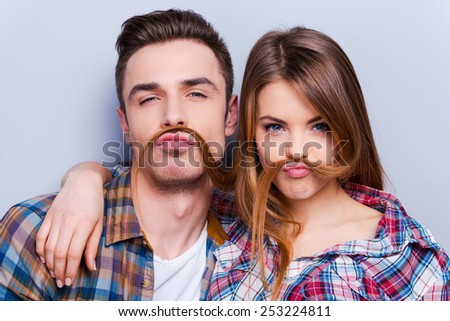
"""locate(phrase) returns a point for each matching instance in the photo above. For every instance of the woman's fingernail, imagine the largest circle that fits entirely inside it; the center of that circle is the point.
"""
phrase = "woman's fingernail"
(42, 259)
(95, 266)
(59, 283)
(68, 282)
(52, 274)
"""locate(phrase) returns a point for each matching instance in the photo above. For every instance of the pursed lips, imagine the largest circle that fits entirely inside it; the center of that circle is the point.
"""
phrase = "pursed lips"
(175, 140)
(296, 170)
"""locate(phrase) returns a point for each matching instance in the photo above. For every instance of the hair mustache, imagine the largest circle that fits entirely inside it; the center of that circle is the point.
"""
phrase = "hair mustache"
(221, 178)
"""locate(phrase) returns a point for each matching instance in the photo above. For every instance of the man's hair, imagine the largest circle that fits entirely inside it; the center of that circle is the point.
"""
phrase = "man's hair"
(162, 26)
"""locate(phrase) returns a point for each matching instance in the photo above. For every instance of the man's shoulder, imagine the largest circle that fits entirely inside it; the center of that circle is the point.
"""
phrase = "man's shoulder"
(22, 221)
(33, 209)
(120, 181)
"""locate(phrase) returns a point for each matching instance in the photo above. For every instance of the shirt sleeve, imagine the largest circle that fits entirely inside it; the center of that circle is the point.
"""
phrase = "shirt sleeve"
(23, 276)
(440, 291)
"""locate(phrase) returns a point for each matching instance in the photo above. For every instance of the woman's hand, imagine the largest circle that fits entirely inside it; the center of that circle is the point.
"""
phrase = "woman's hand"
(74, 223)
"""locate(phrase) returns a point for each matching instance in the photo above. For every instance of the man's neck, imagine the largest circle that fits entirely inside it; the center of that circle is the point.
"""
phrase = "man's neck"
(172, 222)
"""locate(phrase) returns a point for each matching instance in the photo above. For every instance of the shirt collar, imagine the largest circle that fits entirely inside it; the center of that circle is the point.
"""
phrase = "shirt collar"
(121, 220)
(215, 230)
(393, 232)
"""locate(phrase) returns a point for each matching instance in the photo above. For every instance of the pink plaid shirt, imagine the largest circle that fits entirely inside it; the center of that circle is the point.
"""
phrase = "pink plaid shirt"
(403, 262)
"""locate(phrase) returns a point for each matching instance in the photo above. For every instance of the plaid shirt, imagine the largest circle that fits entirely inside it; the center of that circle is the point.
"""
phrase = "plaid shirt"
(124, 258)
(235, 277)
(403, 262)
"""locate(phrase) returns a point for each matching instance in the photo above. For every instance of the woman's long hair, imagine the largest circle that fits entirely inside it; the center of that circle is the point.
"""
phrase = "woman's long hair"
(320, 70)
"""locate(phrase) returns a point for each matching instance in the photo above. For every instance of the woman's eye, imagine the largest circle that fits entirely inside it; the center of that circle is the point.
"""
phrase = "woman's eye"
(273, 127)
(321, 127)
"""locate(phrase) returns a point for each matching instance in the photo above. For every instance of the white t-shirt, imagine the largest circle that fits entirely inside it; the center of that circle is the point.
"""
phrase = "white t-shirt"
(181, 278)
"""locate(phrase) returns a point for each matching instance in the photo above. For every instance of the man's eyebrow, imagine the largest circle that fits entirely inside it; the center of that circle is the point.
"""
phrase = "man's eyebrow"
(274, 119)
(143, 87)
(198, 81)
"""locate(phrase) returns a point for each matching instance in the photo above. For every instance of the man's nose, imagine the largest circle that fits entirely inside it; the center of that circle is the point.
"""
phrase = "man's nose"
(174, 114)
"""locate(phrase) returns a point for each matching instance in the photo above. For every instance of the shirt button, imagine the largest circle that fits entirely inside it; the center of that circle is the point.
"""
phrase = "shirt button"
(225, 264)
(146, 283)
(357, 283)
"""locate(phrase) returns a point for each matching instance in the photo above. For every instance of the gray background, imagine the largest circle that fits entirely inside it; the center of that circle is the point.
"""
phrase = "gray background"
(58, 100)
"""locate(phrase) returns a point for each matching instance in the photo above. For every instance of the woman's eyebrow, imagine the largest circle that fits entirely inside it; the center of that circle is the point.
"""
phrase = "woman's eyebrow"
(274, 119)
(314, 119)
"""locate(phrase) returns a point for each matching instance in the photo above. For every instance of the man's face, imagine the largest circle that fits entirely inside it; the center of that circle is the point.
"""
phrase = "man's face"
(171, 84)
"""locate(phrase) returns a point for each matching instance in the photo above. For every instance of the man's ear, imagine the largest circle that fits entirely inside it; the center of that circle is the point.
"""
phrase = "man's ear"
(124, 124)
(231, 118)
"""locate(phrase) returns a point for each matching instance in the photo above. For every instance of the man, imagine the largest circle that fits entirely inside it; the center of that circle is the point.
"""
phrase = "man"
(158, 238)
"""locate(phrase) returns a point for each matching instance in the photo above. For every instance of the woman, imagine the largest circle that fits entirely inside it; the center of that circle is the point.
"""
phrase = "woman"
(340, 237)
(314, 187)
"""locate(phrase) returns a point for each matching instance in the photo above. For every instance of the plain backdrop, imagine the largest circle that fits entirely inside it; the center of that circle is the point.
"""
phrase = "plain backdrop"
(57, 91)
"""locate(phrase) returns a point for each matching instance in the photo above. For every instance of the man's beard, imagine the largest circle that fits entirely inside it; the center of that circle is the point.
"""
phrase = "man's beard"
(183, 181)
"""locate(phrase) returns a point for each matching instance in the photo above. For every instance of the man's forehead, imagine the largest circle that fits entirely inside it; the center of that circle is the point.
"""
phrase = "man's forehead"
(182, 55)
(174, 62)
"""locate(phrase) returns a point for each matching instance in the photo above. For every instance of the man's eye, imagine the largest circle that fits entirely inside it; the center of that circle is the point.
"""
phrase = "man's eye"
(322, 127)
(273, 127)
(147, 99)
(197, 95)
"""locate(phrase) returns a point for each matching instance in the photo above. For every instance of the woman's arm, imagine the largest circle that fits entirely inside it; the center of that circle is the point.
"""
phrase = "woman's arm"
(74, 222)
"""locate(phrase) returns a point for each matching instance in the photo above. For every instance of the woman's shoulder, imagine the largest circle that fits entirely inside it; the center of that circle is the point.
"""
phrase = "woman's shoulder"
(395, 221)
(403, 247)
(223, 206)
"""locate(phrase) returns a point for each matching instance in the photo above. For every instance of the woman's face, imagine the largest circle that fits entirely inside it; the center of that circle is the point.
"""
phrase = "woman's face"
(287, 126)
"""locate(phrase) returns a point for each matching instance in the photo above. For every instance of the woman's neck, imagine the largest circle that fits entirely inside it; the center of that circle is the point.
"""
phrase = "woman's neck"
(331, 217)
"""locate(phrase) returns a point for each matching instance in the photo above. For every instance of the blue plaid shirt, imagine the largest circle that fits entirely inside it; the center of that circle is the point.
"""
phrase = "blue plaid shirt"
(124, 259)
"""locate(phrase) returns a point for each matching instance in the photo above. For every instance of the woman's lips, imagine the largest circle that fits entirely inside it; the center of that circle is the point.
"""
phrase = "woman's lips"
(296, 170)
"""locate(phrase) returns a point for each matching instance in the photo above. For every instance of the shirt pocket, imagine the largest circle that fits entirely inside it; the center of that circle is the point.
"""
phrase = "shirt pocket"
(351, 282)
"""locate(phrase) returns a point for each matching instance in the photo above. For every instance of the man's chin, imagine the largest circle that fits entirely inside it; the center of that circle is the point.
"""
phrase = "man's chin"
(179, 172)
(177, 180)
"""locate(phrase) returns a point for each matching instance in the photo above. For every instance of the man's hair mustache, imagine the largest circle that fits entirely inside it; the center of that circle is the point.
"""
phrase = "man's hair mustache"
(224, 179)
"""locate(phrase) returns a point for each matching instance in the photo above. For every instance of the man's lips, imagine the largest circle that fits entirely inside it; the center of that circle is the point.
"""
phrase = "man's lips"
(296, 170)
(175, 140)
